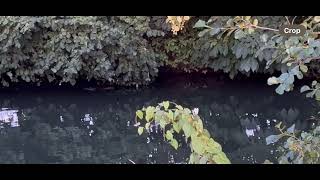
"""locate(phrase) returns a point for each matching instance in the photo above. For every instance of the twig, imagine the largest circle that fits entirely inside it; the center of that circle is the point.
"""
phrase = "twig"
(287, 19)
(264, 28)
(293, 19)
(131, 161)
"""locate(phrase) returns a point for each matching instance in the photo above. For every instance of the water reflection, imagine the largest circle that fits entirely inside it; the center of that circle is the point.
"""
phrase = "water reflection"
(8, 117)
(88, 127)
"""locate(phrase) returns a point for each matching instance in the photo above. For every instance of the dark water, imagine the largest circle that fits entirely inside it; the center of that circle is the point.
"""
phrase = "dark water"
(77, 126)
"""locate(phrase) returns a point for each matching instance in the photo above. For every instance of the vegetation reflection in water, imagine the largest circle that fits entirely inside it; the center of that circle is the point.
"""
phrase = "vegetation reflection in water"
(85, 127)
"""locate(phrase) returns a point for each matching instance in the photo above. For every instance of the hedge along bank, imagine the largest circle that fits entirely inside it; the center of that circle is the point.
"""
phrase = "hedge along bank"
(122, 50)
(65, 49)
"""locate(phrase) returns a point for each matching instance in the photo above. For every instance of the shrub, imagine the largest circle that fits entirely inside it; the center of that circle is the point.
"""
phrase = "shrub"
(66, 48)
(173, 119)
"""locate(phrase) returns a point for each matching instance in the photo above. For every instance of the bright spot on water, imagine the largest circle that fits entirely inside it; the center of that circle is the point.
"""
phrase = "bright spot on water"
(61, 119)
(91, 123)
(250, 132)
(255, 115)
(9, 116)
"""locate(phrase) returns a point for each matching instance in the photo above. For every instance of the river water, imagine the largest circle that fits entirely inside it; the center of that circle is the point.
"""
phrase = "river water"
(79, 126)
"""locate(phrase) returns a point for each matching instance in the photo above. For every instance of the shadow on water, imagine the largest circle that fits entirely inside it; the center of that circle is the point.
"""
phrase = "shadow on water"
(77, 126)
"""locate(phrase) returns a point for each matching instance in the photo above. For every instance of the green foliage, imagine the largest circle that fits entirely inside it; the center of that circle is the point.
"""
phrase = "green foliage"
(173, 119)
(129, 50)
(67, 48)
(314, 90)
(260, 48)
(297, 149)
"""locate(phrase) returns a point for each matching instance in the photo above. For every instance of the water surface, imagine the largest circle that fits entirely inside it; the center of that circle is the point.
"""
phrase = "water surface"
(79, 126)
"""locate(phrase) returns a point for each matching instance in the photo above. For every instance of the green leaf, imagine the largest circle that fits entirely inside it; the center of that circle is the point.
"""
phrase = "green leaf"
(283, 77)
(187, 111)
(280, 89)
(203, 160)
(200, 24)
(206, 133)
(192, 158)
(299, 75)
(147, 126)
(140, 130)
(213, 146)
(139, 114)
(179, 107)
(166, 104)
(239, 34)
(171, 115)
(316, 19)
(250, 30)
(317, 95)
(264, 37)
(272, 139)
(187, 129)
(221, 158)
(214, 31)
(163, 123)
(174, 143)
(176, 127)
(304, 88)
(197, 145)
(291, 129)
(273, 80)
(203, 32)
(9, 74)
(169, 135)
(314, 83)
(310, 94)
(150, 113)
(303, 68)
(200, 124)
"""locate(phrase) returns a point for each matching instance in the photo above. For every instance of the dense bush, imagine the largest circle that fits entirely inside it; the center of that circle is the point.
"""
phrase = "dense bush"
(299, 147)
(253, 44)
(64, 49)
(129, 50)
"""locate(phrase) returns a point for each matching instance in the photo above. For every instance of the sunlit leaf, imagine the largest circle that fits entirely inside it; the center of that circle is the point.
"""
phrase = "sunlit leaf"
(214, 31)
(140, 130)
(150, 113)
(200, 24)
(303, 68)
(273, 80)
(314, 83)
(187, 129)
(163, 123)
(291, 129)
(304, 88)
(197, 146)
(239, 34)
(179, 107)
(174, 143)
(171, 115)
(272, 139)
(166, 105)
(221, 158)
(139, 114)
(203, 32)
(316, 18)
(280, 89)
(203, 160)
(147, 126)
(176, 127)
(169, 135)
